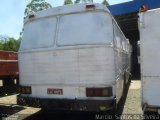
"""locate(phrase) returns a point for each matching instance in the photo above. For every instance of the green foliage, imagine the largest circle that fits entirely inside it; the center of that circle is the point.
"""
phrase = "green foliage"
(105, 2)
(36, 5)
(77, 1)
(68, 2)
(10, 45)
(83, 1)
(1, 45)
(87, 0)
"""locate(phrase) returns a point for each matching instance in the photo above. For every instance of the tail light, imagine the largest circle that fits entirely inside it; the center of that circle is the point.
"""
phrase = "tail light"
(99, 92)
(25, 90)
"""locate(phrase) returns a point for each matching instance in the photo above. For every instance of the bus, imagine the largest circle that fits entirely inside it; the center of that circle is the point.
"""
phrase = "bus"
(149, 60)
(73, 57)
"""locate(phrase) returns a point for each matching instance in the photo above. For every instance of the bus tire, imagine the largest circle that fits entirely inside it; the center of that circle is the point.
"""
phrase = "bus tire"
(124, 86)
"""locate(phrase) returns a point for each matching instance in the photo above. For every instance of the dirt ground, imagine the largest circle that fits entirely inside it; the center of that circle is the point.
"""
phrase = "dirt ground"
(10, 110)
(133, 101)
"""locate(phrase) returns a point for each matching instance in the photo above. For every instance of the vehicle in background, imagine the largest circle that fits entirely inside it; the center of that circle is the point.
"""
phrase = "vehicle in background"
(9, 74)
(73, 57)
(150, 59)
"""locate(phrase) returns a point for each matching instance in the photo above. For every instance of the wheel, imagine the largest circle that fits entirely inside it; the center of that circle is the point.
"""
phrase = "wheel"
(114, 109)
(124, 87)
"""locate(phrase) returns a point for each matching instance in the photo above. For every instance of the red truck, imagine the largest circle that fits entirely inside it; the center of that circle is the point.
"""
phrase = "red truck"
(9, 68)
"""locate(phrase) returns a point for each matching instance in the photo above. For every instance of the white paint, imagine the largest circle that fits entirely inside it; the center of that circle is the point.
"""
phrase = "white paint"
(66, 9)
(150, 57)
(85, 50)
(38, 31)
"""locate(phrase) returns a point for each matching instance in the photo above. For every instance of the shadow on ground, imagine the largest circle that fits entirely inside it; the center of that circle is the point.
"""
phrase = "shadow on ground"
(8, 90)
(7, 110)
(123, 100)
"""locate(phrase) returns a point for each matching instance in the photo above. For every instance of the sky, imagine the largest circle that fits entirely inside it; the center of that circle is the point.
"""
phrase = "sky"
(12, 13)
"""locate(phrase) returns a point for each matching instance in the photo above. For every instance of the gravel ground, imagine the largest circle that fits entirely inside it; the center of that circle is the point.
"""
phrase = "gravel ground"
(10, 111)
(133, 101)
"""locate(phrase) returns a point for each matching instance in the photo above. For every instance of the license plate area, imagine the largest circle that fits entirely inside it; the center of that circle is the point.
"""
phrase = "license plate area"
(55, 91)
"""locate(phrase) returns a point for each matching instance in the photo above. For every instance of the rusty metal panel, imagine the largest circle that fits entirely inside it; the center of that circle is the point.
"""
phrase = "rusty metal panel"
(8, 55)
(8, 63)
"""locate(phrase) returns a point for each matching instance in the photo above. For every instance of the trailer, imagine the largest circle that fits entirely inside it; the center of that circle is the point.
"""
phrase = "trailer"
(9, 68)
(150, 59)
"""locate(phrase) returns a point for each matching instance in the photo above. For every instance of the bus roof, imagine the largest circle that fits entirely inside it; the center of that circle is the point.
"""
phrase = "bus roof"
(66, 9)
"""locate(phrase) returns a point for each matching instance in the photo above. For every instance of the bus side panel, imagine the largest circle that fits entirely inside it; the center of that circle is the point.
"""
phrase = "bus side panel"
(150, 57)
(120, 70)
(121, 57)
(151, 94)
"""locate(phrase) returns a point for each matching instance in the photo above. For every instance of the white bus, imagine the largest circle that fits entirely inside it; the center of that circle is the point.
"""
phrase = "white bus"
(73, 57)
(150, 60)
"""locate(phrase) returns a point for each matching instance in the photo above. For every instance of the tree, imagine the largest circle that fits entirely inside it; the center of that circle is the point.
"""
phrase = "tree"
(105, 2)
(77, 1)
(11, 45)
(1, 45)
(68, 2)
(3, 39)
(83, 1)
(36, 5)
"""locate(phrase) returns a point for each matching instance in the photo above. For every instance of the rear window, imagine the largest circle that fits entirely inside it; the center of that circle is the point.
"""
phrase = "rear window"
(39, 33)
(85, 28)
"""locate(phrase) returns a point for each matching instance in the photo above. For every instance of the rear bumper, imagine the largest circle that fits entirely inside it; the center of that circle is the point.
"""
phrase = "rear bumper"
(150, 108)
(67, 104)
